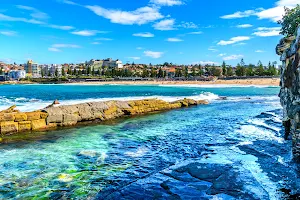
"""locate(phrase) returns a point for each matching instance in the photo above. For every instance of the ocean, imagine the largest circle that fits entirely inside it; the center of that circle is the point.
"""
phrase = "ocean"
(231, 148)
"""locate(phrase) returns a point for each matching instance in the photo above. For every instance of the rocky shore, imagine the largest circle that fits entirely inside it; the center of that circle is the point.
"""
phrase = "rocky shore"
(289, 50)
(13, 121)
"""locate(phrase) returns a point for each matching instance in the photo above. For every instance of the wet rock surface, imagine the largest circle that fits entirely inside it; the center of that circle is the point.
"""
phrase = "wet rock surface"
(289, 50)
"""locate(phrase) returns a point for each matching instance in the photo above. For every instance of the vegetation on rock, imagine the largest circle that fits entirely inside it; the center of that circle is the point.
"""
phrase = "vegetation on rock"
(290, 21)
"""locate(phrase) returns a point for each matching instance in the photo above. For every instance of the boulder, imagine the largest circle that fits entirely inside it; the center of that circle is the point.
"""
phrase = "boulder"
(19, 117)
(85, 112)
(55, 115)
(33, 115)
(38, 124)
(70, 119)
(24, 126)
(9, 127)
(7, 117)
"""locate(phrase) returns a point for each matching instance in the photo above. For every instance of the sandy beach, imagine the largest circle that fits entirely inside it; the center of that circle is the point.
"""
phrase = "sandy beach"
(254, 81)
(258, 81)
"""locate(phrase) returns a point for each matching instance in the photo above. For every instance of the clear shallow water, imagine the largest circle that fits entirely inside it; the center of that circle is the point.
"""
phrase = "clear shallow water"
(157, 156)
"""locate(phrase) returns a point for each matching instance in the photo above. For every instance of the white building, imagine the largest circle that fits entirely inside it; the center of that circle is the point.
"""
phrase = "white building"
(17, 74)
(113, 63)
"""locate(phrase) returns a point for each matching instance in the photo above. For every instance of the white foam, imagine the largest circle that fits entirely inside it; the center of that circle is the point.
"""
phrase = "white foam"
(24, 104)
(218, 86)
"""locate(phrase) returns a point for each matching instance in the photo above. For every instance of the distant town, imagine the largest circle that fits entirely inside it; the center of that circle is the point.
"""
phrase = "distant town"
(109, 69)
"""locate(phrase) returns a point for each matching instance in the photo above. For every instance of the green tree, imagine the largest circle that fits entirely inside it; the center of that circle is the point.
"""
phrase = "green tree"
(75, 72)
(49, 74)
(160, 73)
(93, 71)
(224, 71)
(229, 71)
(63, 73)
(69, 71)
(250, 70)
(194, 71)
(240, 70)
(56, 72)
(145, 73)
(260, 69)
(186, 72)
(215, 71)
(1, 71)
(88, 70)
(42, 73)
(290, 21)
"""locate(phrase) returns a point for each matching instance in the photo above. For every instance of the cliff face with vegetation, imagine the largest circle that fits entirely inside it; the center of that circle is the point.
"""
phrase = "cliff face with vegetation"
(12, 121)
(289, 50)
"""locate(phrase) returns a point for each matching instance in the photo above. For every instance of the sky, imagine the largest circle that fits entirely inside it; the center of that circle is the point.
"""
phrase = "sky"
(141, 31)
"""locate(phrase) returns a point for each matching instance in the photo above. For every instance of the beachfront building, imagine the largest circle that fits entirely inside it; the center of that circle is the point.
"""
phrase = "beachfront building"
(113, 64)
(16, 74)
(33, 69)
(95, 64)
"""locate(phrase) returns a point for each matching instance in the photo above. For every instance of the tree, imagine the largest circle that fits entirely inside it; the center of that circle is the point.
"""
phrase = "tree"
(56, 72)
(260, 70)
(145, 73)
(194, 71)
(240, 70)
(63, 73)
(69, 71)
(290, 21)
(42, 73)
(229, 71)
(224, 71)
(88, 70)
(1, 71)
(93, 71)
(160, 73)
(74, 72)
(186, 72)
(49, 73)
(250, 70)
(215, 71)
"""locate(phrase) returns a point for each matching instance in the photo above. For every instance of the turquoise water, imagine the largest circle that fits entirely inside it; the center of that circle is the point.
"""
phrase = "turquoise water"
(137, 157)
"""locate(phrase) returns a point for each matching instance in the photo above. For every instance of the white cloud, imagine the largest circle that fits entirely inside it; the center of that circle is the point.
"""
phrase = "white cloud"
(139, 16)
(87, 32)
(8, 33)
(239, 44)
(68, 2)
(166, 2)
(146, 34)
(239, 14)
(205, 63)
(35, 12)
(234, 40)
(65, 28)
(134, 58)
(165, 25)
(65, 46)
(274, 14)
(233, 57)
(212, 49)
(96, 43)
(222, 54)
(139, 48)
(244, 26)
(54, 49)
(153, 54)
(19, 19)
(174, 40)
(188, 25)
(58, 47)
(267, 32)
(104, 39)
(259, 51)
(195, 33)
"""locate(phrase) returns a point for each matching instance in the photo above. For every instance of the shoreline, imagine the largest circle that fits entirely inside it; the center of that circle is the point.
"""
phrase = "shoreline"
(233, 82)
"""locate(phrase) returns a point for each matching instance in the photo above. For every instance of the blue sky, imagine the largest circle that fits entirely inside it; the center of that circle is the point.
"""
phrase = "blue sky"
(140, 31)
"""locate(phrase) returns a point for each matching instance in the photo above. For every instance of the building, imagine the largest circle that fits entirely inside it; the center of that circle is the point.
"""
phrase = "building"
(16, 74)
(33, 69)
(109, 63)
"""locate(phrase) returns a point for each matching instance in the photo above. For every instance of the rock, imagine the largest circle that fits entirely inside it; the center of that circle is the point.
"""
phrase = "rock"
(19, 117)
(24, 126)
(289, 49)
(55, 115)
(70, 119)
(9, 127)
(38, 124)
(33, 116)
(7, 117)
(9, 110)
(202, 102)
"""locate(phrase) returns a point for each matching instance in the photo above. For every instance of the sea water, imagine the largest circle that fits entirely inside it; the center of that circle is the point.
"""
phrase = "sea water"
(169, 155)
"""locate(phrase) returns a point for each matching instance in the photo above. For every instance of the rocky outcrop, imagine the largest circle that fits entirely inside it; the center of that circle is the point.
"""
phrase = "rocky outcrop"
(12, 121)
(289, 50)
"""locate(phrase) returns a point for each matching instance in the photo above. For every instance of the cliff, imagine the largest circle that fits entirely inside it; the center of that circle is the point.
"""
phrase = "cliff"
(289, 50)
(12, 121)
